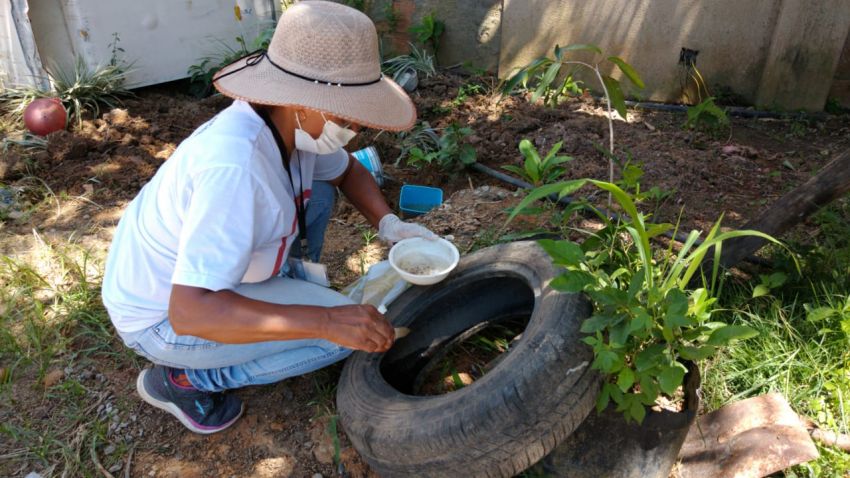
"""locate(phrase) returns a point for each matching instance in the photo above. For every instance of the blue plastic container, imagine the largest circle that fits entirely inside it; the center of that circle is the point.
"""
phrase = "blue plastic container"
(370, 160)
(415, 200)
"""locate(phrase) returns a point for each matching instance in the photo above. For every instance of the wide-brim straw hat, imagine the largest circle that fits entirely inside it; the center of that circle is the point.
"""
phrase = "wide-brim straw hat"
(323, 56)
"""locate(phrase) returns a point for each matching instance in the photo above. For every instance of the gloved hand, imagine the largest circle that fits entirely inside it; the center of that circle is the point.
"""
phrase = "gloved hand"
(392, 229)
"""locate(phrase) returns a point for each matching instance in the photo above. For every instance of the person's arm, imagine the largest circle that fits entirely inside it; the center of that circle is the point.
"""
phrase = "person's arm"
(227, 317)
(361, 189)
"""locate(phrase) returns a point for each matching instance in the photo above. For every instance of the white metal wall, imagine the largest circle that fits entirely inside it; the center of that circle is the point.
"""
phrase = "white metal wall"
(161, 38)
(18, 55)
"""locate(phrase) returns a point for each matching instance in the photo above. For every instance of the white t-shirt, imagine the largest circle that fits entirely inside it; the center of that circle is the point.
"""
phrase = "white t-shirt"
(218, 213)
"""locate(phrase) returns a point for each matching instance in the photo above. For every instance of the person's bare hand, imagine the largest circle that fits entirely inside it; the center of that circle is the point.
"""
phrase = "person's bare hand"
(359, 327)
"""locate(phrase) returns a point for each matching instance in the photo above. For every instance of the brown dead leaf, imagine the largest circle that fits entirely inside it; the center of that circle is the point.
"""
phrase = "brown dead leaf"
(53, 377)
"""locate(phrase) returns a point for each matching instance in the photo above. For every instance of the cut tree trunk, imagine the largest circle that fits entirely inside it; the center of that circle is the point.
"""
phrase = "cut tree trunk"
(832, 182)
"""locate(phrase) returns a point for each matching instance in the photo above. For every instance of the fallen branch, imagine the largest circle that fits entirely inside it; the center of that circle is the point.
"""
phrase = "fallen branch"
(103, 471)
(129, 463)
(832, 182)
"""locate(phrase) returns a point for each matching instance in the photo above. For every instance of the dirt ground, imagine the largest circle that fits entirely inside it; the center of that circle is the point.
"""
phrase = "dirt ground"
(95, 170)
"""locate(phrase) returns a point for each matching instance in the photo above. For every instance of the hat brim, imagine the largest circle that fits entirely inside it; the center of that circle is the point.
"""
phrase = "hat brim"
(381, 105)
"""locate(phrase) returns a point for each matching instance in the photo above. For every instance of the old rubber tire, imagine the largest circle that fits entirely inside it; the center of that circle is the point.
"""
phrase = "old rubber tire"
(536, 395)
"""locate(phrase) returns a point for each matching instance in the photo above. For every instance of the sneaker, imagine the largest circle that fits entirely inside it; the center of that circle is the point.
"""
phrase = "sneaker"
(201, 412)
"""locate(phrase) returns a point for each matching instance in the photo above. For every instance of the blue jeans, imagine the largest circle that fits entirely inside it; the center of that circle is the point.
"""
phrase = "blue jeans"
(319, 211)
(213, 366)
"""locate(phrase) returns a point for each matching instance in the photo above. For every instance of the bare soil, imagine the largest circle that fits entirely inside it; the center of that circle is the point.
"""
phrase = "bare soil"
(93, 171)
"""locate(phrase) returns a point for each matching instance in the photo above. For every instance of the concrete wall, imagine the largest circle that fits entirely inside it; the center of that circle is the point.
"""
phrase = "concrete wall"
(472, 28)
(841, 85)
(807, 43)
(775, 53)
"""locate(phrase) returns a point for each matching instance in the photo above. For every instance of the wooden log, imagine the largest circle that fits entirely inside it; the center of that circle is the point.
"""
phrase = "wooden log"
(832, 182)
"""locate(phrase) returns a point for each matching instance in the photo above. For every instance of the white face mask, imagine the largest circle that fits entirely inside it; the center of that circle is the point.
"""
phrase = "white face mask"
(332, 139)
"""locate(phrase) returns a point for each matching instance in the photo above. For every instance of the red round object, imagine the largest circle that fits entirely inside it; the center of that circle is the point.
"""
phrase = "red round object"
(44, 116)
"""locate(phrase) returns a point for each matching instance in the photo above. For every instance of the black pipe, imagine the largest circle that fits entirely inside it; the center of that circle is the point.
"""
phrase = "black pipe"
(566, 200)
(730, 110)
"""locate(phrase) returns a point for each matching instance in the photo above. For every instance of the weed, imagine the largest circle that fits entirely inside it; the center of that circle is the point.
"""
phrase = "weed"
(631, 176)
(324, 390)
(332, 431)
(429, 31)
(418, 60)
(422, 136)
(369, 236)
(451, 153)
(465, 91)
(52, 316)
(536, 170)
(708, 117)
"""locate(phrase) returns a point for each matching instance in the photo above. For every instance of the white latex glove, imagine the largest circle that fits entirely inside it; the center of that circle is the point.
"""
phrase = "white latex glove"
(392, 229)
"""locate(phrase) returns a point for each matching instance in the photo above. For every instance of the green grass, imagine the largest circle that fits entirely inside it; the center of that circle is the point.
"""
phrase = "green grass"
(51, 318)
(802, 351)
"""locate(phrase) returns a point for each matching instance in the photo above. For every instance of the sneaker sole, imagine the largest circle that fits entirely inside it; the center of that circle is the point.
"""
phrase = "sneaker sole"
(174, 410)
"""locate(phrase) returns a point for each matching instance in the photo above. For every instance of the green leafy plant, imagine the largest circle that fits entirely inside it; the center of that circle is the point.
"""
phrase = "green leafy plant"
(358, 4)
(418, 59)
(422, 136)
(542, 75)
(465, 91)
(391, 17)
(630, 181)
(834, 107)
(536, 170)
(648, 318)
(202, 72)
(707, 115)
(801, 352)
(429, 31)
(450, 154)
(81, 90)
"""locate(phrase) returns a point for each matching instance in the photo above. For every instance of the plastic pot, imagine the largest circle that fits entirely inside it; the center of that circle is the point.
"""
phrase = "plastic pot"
(604, 445)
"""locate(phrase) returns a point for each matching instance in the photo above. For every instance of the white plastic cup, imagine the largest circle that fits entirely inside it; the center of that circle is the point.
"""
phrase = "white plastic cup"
(370, 160)
(423, 261)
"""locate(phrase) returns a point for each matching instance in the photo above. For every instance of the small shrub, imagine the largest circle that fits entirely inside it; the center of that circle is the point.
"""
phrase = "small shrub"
(451, 153)
(536, 170)
(82, 90)
(429, 31)
(422, 136)
(707, 116)
(465, 92)
(418, 59)
(648, 317)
